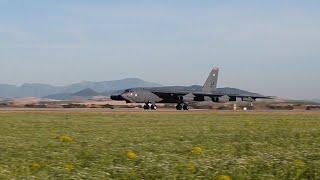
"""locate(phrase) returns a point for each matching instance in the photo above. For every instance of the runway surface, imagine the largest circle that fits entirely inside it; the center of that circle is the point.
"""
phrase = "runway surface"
(139, 110)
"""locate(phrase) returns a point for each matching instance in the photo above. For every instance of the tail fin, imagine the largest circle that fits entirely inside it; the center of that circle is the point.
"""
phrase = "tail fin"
(211, 83)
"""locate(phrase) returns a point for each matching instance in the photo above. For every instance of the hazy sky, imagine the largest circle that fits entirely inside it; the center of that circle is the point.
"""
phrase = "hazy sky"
(271, 47)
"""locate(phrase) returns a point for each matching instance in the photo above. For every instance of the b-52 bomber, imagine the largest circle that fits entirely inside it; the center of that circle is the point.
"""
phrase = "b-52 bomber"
(151, 96)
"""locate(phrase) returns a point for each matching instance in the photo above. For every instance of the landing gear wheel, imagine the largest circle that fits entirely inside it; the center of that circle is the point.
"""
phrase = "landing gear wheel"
(182, 106)
(179, 107)
(150, 106)
(146, 107)
(153, 107)
(185, 107)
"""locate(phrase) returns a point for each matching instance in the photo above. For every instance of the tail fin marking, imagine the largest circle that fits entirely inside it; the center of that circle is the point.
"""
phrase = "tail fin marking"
(211, 83)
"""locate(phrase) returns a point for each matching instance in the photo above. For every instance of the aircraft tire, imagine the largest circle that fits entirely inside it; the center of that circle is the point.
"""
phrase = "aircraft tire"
(179, 107)
(153, 107)
(146, 107)
(185, 107)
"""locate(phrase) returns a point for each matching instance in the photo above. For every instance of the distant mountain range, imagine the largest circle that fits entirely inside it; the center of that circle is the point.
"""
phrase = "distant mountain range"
(83, 94)
(89, 89)
(316, 100)
(43, 90)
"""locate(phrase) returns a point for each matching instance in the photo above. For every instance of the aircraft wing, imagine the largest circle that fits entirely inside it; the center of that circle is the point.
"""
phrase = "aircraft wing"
(255, 96)
(176, 96)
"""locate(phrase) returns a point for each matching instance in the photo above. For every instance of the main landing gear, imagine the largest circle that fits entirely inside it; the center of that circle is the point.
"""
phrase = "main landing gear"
(182, 106)
(149, 106)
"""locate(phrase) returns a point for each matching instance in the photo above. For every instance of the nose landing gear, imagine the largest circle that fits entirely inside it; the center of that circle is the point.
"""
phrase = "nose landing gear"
(182, 106)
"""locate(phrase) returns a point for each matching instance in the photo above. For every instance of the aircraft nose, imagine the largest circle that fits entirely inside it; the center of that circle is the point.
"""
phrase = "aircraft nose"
(117, 98)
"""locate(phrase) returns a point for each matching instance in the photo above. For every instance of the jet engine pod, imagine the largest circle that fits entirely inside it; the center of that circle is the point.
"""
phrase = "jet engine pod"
(224, 99)
(188, 98)
(207, 98)
(248, 99)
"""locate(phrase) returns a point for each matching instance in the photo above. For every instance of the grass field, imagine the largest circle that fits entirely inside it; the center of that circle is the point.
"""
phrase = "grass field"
(62, 145)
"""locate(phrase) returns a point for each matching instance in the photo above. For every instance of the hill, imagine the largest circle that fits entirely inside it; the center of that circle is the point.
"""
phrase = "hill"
(316, 100)
(83, 94)
(88, 89)
(42, 90)
(87, 92)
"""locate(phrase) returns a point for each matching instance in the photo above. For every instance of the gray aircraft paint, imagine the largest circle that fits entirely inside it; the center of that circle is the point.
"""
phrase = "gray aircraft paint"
(140, 95)
(161, 95)
(211, 83)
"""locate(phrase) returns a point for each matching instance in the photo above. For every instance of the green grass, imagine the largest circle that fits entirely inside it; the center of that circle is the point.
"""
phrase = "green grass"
(238, 145)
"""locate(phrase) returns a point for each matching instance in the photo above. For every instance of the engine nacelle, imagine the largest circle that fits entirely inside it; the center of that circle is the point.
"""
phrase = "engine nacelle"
(248, 99)
(224, 99)
(207, 98)
(203, 98)
(188, 98)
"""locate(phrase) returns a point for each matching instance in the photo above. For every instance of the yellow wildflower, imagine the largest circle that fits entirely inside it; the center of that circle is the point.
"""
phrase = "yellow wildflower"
(65, 138)
(224, 177)
(197, 150)
(299, 164)
(131, 155)
(69, 167)
(192, 168)
(35, 166)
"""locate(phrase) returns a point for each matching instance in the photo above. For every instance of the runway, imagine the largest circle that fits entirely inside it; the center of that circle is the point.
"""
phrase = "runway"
(140, 110)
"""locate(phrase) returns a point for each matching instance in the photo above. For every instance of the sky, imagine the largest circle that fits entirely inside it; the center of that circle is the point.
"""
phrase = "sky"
(270, 47)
